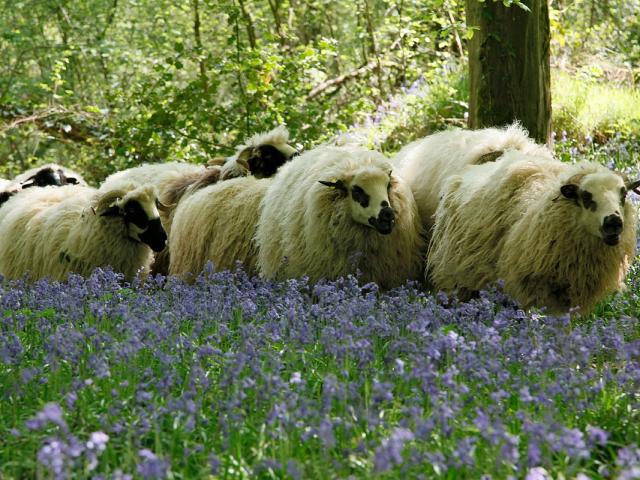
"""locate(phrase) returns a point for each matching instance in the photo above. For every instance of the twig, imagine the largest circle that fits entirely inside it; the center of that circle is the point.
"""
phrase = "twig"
(338, 81)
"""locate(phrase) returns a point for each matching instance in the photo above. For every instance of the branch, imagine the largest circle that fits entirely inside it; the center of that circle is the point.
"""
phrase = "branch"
(338, 81)
(57, 121)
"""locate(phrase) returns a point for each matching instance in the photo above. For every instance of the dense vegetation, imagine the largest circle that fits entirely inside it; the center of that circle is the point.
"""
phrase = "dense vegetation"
(106, 84)
(239, 378)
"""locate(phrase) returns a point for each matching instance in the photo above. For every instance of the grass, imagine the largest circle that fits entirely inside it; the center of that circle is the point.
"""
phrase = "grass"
(585, 107)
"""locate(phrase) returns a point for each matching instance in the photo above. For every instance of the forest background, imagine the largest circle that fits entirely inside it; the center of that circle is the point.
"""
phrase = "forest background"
(101, 85)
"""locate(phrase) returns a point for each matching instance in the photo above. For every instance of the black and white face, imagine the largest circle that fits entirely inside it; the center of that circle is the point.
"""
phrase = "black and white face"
(142, 221)
(601, 198)
(144, 224)
(265, 160)
(368, 196)
(48, 176)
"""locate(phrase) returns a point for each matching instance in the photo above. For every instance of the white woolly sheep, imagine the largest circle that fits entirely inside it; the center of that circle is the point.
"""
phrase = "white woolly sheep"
(261, 156)
(42, 176)
(335, 210)
(427, 163)
(52, 231)
(217, 224)
(559, 235)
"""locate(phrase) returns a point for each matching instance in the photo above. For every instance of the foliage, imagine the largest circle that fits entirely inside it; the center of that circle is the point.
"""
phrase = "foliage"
(242, 378)
(103, 85)
(143, 80)
(587, 108)
(592, 31)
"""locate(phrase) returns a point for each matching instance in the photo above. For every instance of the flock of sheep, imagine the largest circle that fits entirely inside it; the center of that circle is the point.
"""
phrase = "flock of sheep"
(458, 209)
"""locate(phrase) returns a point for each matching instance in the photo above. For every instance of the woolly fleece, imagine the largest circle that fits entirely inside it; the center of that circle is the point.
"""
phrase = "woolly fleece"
(52, 231)
(507, 220)
(427, 163)
(217, 224)
(306, 228)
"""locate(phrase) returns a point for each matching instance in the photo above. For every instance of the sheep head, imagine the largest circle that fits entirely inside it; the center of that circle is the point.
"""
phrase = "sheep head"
(600, 196)
(138, 209)
(49, 176)
(264, 153)
(367, 191)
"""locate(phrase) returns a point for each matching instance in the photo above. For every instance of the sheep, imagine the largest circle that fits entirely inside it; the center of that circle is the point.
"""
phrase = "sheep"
(334, 210)
(428, 162)
(52, 231)
(559, 235)
(217, 224)
(260, 156)
(50, 174)
(42, 176)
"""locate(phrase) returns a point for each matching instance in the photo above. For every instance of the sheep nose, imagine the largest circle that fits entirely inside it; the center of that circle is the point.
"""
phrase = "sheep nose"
(386, 215)
(612, 225)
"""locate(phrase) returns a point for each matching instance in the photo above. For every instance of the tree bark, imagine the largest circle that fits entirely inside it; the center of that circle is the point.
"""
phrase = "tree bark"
(198, 39)
(509, 67)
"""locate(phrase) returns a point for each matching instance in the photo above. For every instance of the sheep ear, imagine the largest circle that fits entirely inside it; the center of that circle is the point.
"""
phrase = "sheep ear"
(570, 191)
(243, 163)
(29, 182)
(337, 184)
(111, 211)
(635, 186)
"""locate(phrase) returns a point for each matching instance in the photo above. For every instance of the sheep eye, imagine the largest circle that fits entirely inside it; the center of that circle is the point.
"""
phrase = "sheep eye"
(360, 196)
(588, 202)
(389, 186)
(623, 195)
(135, 214)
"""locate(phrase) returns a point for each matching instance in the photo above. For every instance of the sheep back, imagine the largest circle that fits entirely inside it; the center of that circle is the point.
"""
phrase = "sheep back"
(428, 162)
(160, 175)
(217, 224)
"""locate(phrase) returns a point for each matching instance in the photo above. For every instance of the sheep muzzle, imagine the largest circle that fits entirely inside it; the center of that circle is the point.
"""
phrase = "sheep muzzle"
(385, 222)
(611, 229)
(154, 235)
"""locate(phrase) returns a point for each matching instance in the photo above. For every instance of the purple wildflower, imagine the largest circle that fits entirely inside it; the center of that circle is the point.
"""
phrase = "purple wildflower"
(50, 413)
(389, 453)
(152, 467)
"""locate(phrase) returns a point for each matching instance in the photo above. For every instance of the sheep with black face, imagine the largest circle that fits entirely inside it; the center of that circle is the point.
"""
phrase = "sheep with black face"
(52, 231)
(260, 157)
(51, 174)
(338, 210)
(559, 235)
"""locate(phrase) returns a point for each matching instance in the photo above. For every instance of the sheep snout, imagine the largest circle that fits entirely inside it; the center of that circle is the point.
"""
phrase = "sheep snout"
(154, 235)
(385, 222)
(611, 228)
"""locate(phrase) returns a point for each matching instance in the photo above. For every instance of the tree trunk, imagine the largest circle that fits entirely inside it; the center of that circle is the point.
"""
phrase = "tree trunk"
(509, 66)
